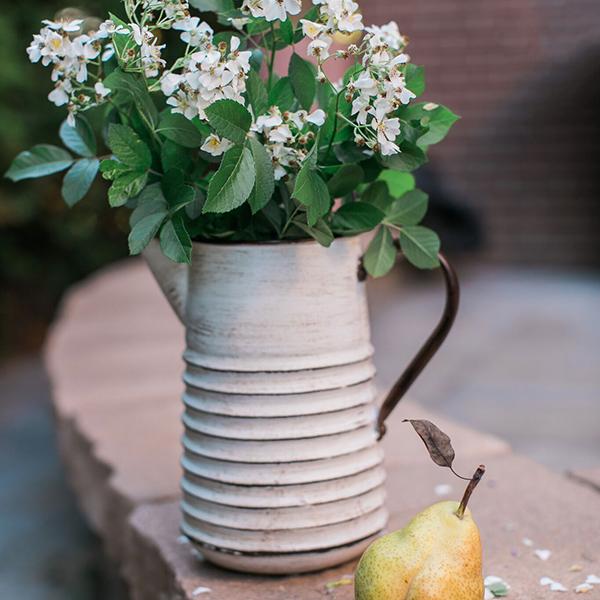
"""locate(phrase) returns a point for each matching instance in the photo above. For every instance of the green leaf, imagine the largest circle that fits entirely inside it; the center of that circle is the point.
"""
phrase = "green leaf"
(439, 121)
(282, 94)
(311, 191)
(150, 201)
(134, 89)
(409, 209)
(231, 185)
(345, 180)
(128, 147)
(319, 231)
(415, 78)
(229, 119)
(175, 241)
(174, 156)
(80, 138)
(79, 179)
(410, 157)
(286, 31)
(398, 183)
(144, 231)
(41, 160)
(178, 129)
(212, 5)
(264, 184)
(356, 217)
(111, 169)
(302, 77)
(378, 195)
(380, 256)
(125, 186)
(257, 93)
(175, 190)
(420, 246)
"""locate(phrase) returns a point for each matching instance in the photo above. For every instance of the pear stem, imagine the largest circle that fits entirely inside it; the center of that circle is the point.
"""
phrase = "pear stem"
(460, 513)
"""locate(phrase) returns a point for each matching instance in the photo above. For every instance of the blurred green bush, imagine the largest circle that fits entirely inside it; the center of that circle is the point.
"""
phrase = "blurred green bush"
(44, 245)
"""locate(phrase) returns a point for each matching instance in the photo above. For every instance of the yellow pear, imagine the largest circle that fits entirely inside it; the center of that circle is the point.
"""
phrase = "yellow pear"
(437, 556)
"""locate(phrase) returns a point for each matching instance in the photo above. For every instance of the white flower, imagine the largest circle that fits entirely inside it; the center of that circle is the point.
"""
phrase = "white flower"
(317, 117)
(280, 134)
(319, 48)
(387, 34)
(255, 7)
(361, 107)
(239, 23)
(366, 84)
(273, 119)
(312, 29)
(387, 132)
(194, 32)
(215, 145)
(169, 82)
(101, 90)
(61, 93)
(68, 25)
(279, 9)
(183, 104)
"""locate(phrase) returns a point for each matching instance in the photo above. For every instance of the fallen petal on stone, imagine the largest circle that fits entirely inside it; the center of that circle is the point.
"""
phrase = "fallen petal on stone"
(543, 554)
(593, 580)
(201, 590)
(527, 542)
(443, 489)
(583, 588)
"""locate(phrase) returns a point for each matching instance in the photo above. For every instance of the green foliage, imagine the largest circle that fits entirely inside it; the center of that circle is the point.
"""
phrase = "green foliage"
(178, 129)
(420, 246)
(380, 256)
(179, 192)
(264, 184)
(41, 160)
(302, 78)
(230, 120)
(231, 185)
(80, 138)
(79, 179)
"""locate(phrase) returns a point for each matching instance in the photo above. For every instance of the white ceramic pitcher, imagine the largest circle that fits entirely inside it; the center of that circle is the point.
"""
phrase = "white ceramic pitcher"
(282, 466)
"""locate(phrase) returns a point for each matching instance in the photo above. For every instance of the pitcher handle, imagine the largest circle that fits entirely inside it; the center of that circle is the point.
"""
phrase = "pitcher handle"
(429, 348)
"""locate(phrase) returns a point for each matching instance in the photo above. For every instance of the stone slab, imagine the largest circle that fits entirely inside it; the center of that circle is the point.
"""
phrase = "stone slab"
(517, 499)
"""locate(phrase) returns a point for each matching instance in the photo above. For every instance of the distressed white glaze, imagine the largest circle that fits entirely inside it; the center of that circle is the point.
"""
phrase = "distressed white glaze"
(282, 469)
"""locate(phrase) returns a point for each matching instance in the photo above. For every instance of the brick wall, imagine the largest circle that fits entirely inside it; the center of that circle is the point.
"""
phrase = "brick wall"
(525, 77)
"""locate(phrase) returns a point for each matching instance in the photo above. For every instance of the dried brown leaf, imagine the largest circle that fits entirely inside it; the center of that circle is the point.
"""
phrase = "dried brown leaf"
(436, 441)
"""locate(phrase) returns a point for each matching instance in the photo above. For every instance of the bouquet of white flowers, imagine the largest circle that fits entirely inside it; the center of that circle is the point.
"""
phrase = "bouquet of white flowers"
(215, 145)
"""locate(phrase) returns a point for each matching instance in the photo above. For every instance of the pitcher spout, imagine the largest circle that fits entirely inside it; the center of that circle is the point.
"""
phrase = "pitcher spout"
(171, 277)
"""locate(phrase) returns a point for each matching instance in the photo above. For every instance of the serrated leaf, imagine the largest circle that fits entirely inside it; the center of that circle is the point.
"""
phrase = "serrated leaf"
(282, 94)
(41, 160)
(151, 200)
(229, 119)
(174, 156)
(79, 179)
(356, 217)
(125, 186)
(178, 129)
(409, 209)
(345, 180)
(304, 83)
(231, 185)
(438, 444)
(380, 256)
(175, 241)
(133, 88)
(128, 147)
(312, 192)
(79, 138)
(257, 93)
(144, 231)
(378, 195)
(421, 246)
(264, 184)
(398, 183)
(177, 193)
(409, 158)
(439, 122)
(319, 231)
